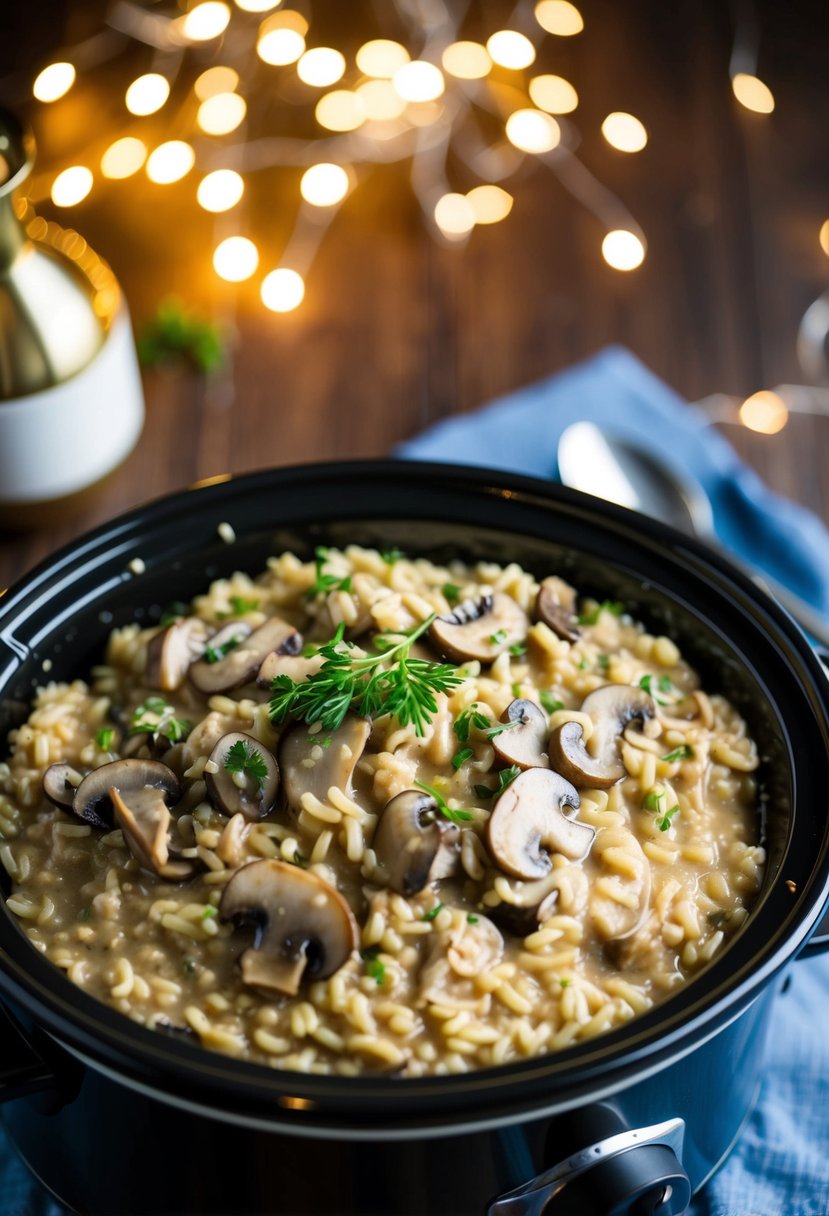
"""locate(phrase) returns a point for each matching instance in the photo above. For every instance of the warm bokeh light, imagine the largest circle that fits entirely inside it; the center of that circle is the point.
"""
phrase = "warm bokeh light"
(381, 58)
(454, 215)
(280, 47)
(509, 49)
(623, 250)
(752, 93)
(624, 132)
(324, 185)
(553, 94)
(321, 66)
(489, 203)
(221, 113)
(54, 81)
(170, 162)
(764, 412)
(216, 80)
(380, 100)
(559, 17)
(124, 157)
(823, 237)
(282, 290)
(71, 186)
(340, 110)
(467, 60)
(533, 131)
(424, 113)
(257, 6)
(419, 81)
(220, 190)
(147, 94)
(235, 259)
(205, 21)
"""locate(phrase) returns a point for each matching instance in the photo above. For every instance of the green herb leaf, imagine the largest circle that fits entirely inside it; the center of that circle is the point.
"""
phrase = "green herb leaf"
(505, 777)
(611, 606)
(603, 662)
(174, 613)
(451, 593)
(683, 752)
(498, 637)
(460, 758)
(104, 738)
(373, 964)
(242, 758)
(213, 653)
(324, 583)
(655, 801)
(158, 718)
(517, 649)
(432, 913)
(390, 556)
(467, 718)
(85, 913)
(665, 822)
(565, 983)
(516, 689)
(582, 664)
(494, 731)
(550, 703)
(240, 605)
(647, 683)
(209, 913)
(448, 812)
(471, 918)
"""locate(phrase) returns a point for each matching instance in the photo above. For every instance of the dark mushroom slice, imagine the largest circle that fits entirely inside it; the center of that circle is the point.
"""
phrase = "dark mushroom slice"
(242, 663)
(480, 629)
(555, 605)
(414, 844)
(297, 667)
(171, 652)
(524, 742)
(60, 783)
(239, 789)
(612, 708)
(312, 763)
(305, 930)
(529, 904)
(528, 824)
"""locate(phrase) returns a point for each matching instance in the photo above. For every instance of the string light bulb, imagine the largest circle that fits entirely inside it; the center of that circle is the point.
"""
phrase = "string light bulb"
(454, 215)
(533, 131)
(489, 203)
(124, 157)
(321, 66)
(282, 290)
(282, 38)
(381, 58)
(54, 82)
(235, 259)
(764, 412)
(71, 186)
(624, 132)
(170, 162)
(466, 60)
(559, 17)
(257, 6)
(823, 237)
(220, 190)
(752, 93)
(623, 250)
(553, 94)
(509, 49)
(380, 100)
(147, 94)
(419, 81)
(205, 21)
(340, 110)
(219, 79)
(221, 113)
(324, 185)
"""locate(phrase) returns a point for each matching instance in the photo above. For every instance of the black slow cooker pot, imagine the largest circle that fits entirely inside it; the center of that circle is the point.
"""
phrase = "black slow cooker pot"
(116, 1119)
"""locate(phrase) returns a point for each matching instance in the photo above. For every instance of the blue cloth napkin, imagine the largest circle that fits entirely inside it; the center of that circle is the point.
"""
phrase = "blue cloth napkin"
(781, 1163)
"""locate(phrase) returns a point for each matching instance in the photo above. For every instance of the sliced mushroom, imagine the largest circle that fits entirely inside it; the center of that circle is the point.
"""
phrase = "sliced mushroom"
(297, 667)
(414, 843)
(242, 791)
(525, 741)
(311, 764)
(243, 662)
(480, 629)
(60, 782)
(620, 903)
(528, 904)
(555, 605)
(612, 707)
(171, 652)
(232, 841)
(528, 824)
(305, 930)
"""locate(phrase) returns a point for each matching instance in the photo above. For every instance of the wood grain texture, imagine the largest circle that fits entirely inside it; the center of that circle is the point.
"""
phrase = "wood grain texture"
(396, 333)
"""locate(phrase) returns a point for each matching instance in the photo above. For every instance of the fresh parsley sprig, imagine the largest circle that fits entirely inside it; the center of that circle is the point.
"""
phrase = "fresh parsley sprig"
(213, 654)
(242, 758)
(388, 681)
(663, 684)
(657, 802)
(156, 717)
(448, 812)
(323, 583)
(469, 716)
(611, 606)
(505, 777)
(683, 752)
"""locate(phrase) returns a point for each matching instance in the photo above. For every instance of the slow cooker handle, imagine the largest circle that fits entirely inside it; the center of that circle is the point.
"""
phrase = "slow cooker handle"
(634, 1172)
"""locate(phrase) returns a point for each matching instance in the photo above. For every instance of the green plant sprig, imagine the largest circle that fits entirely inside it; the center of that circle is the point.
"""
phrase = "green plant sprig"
(387, 681)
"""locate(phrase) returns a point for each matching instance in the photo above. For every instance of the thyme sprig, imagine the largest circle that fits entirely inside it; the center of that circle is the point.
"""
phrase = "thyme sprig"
(387, 681)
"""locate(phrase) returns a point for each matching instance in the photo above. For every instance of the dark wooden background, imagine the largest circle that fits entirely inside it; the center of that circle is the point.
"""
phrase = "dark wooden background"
(396, 332)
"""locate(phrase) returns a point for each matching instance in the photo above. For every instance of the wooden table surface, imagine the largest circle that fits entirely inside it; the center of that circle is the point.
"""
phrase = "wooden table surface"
(396, 332)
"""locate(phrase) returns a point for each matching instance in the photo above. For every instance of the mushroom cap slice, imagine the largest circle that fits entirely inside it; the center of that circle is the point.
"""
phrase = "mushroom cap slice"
(243, 662)
(480, 629)
(304, 927)
(525, 742)
(555, 605)
(60, 782)
(528, 824)
(529, 904)
(297, 667)
(332, 764)
(612, 707)
(414, 843)
(232, 793)
(171, 652)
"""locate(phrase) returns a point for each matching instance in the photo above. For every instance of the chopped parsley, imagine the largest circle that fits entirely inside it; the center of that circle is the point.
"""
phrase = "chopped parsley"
(518, 649)
(663, 683)
(683, 752)
(603, 662)
(565, 983)
(498, 637)
(209, 913)
(390, 556)
(214, 653)
(657, 802)
(460, 758)
(323, 583)
(505, 778)
(494, 731)
(374, 966)
(451, 592)
(104, 738)
(471, 918)
(582, 664)
(550, 703)
(516, 688)
(433, 912)
(320, 740)
(242, 758)
(448, 812)
(85, 913)
(240, 605)
(174, 613)
(467, 718)
(611, 606)
(158, 718)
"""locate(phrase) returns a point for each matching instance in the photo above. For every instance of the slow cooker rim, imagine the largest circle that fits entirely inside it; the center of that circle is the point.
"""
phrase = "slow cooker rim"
(537, 493)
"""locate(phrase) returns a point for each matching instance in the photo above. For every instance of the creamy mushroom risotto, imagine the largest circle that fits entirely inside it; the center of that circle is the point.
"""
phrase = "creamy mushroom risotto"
(369, 813)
